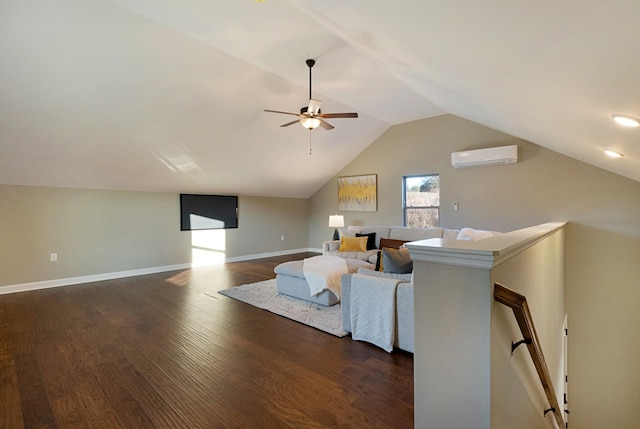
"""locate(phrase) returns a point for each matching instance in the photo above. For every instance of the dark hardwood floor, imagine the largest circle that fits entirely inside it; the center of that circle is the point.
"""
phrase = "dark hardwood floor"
(167, 351)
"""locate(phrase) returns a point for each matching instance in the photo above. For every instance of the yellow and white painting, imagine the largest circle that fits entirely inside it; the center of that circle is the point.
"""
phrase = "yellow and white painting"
(358, 193)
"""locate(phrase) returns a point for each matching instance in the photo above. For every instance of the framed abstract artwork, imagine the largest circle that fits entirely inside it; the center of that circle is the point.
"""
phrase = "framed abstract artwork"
(358, 193)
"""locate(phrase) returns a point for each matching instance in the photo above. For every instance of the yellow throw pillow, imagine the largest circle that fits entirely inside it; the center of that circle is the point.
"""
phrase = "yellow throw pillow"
(353, 244)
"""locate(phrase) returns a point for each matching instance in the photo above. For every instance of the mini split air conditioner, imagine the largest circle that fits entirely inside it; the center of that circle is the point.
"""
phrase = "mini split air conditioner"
(489, 156)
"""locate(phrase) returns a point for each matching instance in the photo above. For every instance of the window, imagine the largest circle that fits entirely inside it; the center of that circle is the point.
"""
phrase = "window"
(421, 201)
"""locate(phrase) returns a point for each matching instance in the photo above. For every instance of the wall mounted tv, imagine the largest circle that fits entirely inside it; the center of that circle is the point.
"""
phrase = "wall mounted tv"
(208, 212)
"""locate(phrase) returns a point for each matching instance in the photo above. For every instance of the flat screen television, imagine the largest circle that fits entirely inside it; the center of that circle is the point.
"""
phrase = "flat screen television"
(208, 212)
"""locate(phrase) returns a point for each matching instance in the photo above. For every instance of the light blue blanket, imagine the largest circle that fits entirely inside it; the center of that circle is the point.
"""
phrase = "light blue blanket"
(373, 310)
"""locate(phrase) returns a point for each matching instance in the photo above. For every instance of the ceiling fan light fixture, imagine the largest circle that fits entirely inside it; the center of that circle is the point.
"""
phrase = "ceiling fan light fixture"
(626, 120)
(310, 123)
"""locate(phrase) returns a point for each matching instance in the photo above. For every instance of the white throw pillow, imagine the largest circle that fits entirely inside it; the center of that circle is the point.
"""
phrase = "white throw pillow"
(474, 234)
(343, 232)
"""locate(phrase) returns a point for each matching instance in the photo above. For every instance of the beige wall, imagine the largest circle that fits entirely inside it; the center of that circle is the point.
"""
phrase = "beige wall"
(100, 232)
(538, 273)
(263, 222)
(603, 240)
(463, 344)
(452, 365)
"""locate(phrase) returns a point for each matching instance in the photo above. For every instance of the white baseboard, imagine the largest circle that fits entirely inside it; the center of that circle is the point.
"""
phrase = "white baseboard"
(46, 284)
(270, 254)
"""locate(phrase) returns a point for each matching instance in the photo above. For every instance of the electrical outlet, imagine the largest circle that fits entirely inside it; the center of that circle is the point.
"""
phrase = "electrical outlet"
(53, 257)
(455, 206)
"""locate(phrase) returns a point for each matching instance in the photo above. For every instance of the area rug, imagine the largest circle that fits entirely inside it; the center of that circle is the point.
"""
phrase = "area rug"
(264, 295)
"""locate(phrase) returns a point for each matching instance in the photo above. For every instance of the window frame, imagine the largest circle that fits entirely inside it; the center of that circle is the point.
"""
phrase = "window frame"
(404, 197)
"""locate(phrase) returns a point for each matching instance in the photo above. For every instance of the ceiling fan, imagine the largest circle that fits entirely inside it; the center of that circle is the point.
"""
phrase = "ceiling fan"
(310, 116)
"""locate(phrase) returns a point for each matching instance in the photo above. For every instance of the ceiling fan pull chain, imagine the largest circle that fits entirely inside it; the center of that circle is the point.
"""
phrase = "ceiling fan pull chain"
(309, 142)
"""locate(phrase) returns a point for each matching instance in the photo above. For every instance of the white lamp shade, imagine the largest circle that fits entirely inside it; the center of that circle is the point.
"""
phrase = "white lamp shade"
(336, 221)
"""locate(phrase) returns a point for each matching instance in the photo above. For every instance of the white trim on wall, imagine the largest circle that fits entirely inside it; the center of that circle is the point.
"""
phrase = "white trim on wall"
(46, 284)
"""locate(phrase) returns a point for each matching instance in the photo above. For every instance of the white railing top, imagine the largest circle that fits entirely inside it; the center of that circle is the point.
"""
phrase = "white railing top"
(485, 253)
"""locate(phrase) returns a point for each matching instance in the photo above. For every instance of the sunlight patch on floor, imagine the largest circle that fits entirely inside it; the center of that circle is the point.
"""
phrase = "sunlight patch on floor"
(208, 247)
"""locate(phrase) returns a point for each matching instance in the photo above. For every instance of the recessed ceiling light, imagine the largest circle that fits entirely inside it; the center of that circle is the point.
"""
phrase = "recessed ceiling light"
(626, 120)
(612, 153)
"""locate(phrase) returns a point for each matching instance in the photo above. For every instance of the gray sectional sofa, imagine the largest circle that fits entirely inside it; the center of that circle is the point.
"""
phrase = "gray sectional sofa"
(404, 306)
(404, 338)
(390, 232)
(404, 291)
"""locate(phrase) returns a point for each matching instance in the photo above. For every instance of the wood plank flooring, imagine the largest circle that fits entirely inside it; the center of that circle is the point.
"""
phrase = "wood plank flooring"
(167, 351)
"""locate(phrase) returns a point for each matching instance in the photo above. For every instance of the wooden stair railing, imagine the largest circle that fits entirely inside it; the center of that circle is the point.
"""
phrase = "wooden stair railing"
(518, 303)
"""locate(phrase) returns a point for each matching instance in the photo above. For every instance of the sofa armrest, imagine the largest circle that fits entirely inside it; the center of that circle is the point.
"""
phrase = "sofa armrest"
(404, 314)
(345, 301)
(402, 277)
(345, 293)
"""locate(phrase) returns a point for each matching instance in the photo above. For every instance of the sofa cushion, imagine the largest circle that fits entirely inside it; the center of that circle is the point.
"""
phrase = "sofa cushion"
(291, 268)
(414, 234)
(344, 232)
(397, 261)
(450, 234)
(353, 244)
(371, 239)
(296, 268)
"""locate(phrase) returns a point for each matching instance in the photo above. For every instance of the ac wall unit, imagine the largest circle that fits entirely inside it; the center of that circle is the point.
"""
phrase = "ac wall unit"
(489, 156)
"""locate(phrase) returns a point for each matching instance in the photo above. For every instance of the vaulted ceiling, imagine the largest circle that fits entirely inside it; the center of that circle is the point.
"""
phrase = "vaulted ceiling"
(169, 95)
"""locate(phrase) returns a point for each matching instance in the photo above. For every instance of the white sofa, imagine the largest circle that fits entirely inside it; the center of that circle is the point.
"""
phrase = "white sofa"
(404, 334)
(391, 232)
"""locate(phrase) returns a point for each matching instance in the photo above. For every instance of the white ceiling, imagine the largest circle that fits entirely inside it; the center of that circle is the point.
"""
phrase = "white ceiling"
(168, 95)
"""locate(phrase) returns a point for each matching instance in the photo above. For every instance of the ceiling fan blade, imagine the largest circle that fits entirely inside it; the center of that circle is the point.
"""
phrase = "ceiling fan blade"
(338, 115)
(284, 113)
(297, 121)
(325, 124)
(314, 106)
